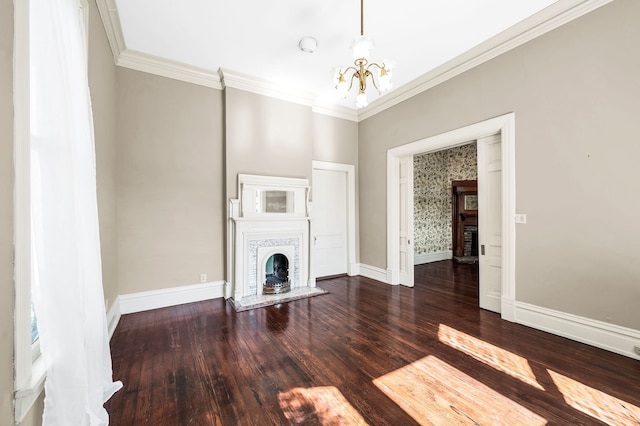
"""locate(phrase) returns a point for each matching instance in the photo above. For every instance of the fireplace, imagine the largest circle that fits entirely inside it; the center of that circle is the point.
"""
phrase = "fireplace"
(276, 273)
(268, 239)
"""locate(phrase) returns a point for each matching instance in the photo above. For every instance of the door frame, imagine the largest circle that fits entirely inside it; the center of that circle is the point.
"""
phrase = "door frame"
(505, 125)
(350, 170)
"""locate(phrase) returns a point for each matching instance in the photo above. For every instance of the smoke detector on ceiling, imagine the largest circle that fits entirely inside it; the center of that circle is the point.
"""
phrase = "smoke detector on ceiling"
(308, 44)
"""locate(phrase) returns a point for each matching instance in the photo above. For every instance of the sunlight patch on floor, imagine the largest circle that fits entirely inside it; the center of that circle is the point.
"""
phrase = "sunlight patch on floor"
(435, 393)
(595, 403)
(498, 358)
(323, 405)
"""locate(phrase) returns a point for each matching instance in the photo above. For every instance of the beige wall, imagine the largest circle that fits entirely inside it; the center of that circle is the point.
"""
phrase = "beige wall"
(6, 210)
(265, 136)
(334, 140)
(102, 82)
(575, 95)
(272, 137)
(170, 182)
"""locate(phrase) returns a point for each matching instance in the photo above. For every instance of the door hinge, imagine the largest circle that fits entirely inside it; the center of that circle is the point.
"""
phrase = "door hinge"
(482, 249)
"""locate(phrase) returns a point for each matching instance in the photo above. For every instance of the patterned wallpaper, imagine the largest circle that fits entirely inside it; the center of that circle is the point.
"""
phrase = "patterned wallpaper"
(432, 176)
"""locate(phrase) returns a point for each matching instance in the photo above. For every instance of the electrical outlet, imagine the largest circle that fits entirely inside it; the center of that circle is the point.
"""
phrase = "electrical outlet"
(203, 278)
(520, 218)
(636, 349)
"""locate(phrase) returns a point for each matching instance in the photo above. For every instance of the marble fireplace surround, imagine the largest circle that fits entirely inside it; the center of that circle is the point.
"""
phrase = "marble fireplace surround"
(270, 216)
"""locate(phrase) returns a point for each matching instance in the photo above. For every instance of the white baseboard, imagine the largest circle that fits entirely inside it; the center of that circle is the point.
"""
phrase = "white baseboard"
(354, 269)
(146, 300)
(228, 294)
(113, 316)
(613, 338)
(373, 272)
(508, 309)
(419, 259)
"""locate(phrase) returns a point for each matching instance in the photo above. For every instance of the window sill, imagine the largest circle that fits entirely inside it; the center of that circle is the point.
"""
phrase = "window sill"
(26, 396)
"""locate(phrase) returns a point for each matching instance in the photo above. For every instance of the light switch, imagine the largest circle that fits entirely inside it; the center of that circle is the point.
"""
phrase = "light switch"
(521, 218)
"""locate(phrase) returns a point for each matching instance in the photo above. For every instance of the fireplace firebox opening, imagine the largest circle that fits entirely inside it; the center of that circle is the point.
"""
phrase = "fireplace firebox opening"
(276, 275)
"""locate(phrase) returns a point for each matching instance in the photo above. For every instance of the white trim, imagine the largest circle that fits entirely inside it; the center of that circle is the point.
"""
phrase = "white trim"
(151, 64)
(354, 269)
(26, 396)
(257, 85)
(508, 145)
(113, 317)
(228, 290)
(350, 170)
(393, 216)
(111, 23)
(248, 83)
(419, 259)
(374, 273)
(154, 299)
(29, 373)
(610, 337)
(22, 198)
(334, 110)
(546, 20)
(504, 124)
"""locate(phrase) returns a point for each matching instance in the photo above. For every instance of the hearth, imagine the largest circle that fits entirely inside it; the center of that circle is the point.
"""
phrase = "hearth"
(269, 239)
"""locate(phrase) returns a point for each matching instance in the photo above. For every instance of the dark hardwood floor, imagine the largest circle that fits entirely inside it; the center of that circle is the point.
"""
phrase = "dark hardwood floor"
(366, 353)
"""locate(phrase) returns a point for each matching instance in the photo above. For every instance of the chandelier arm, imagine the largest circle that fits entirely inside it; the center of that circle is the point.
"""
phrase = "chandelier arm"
(347, 69)
(351, 81)
(380, 67)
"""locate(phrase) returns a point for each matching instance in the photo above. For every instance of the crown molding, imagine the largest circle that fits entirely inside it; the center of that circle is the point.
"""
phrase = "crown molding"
(237, 80)
(259, 86)
(140, 61)
(144, 62)
(111, 22)
(335, 110)
(550, 18)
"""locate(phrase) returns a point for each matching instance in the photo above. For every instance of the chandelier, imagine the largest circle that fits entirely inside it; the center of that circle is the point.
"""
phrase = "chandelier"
(363, 69)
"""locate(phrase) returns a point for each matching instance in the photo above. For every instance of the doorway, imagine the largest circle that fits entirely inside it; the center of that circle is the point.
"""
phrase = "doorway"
(496, 162)
(333, 211)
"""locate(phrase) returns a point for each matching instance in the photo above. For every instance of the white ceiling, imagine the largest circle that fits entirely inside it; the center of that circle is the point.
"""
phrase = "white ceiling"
(259, 38)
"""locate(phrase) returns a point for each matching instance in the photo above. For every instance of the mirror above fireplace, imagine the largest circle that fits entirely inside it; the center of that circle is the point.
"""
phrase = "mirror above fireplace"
(264, 196)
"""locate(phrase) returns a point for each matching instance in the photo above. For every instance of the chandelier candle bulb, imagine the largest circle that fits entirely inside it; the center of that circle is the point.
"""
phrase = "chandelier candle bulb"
(361, 47)
(342, 87)
(361, 100)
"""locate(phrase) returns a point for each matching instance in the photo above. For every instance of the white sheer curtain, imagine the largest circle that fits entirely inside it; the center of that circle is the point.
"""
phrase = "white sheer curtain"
(67, 271)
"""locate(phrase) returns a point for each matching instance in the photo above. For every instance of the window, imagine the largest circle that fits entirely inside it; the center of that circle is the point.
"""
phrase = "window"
(29, 366)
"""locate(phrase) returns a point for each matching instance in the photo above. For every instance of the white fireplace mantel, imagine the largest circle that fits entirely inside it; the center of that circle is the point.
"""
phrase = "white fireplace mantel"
(270, 216)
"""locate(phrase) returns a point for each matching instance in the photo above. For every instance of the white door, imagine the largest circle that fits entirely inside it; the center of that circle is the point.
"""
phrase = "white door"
(406, 221)
(490, 222)
(329, 222)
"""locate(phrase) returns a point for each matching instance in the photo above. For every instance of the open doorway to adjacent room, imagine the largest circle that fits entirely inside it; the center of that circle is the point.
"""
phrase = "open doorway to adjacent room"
(496, 201)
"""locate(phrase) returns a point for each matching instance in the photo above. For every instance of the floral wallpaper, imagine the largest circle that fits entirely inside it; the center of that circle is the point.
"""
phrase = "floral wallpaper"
(432, 176)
